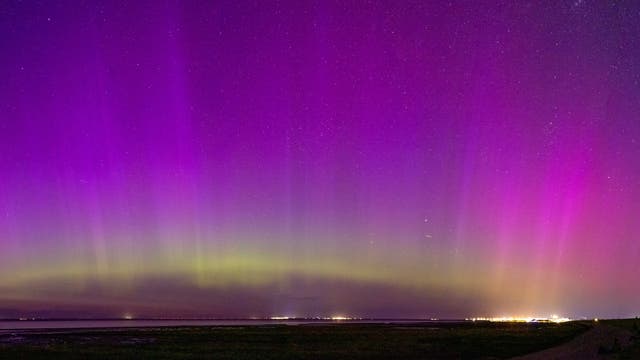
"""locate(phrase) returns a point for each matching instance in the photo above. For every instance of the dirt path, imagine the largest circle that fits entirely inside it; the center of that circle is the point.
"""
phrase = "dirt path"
(589, 345)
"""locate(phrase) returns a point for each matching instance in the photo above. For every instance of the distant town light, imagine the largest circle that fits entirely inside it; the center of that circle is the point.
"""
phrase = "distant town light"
(553, 318)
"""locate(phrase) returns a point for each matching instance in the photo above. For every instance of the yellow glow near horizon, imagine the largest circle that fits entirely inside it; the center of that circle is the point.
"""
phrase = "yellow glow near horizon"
(241, 267)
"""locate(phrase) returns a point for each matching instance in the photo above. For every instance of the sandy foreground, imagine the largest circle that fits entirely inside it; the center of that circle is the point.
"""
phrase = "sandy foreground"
(596, 343)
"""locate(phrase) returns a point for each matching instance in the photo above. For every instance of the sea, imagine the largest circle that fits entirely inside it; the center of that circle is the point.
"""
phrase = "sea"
(153, 323)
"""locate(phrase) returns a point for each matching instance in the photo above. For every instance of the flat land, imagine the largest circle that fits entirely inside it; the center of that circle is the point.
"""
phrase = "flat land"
(468, 340)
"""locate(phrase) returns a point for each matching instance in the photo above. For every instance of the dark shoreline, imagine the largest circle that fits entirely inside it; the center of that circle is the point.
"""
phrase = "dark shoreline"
(311, 340)
(416, 339)
(50, 324)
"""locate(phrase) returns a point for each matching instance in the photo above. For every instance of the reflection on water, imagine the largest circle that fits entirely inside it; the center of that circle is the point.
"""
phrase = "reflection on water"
(79, 324)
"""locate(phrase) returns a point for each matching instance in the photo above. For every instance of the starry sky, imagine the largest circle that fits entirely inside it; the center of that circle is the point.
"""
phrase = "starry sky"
(299, 158)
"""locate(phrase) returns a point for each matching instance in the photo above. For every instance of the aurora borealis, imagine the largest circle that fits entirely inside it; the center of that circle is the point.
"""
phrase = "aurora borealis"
(298, 158)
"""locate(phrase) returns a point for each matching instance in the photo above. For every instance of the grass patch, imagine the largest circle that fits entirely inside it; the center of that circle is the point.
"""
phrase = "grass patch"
(343, 341)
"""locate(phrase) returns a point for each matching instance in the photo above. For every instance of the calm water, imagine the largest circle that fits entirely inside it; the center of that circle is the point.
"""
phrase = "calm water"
(79, 324)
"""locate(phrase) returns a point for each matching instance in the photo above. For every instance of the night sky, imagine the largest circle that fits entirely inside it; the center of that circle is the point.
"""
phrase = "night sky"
(298, 158)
